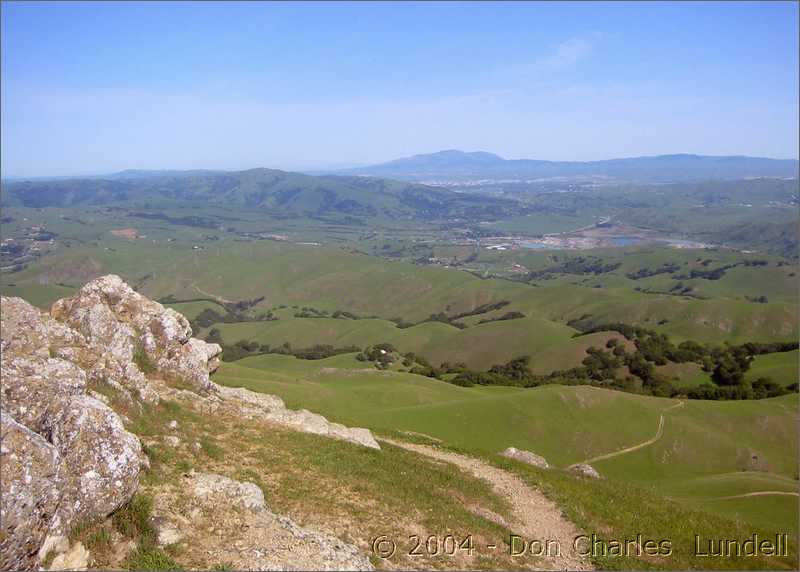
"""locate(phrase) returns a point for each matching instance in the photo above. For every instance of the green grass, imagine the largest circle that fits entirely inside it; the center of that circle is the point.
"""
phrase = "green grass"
(684, 375)
(133, 521)
(781, 367)
(143, 361)
(41, 295)
(191, 309)
(701, 439)
(479, 347)
(355, 492)
(615, 510)
(151, 558)
(333, 279)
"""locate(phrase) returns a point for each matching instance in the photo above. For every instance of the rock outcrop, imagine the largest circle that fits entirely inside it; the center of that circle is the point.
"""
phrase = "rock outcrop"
(66, 456)
(130, 327)
(272, 408)
(525, 457)
(32, 479)
(247, 534)
(585, 470)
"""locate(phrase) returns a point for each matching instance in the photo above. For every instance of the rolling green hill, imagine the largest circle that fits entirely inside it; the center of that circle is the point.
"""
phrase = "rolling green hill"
(781, 367)
(332, 279)
(266, 189)
(706, 451)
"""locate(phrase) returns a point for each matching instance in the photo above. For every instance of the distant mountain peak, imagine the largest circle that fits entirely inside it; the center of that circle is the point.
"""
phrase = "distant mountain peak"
(454, 164)
(449, 158)
(457, 153)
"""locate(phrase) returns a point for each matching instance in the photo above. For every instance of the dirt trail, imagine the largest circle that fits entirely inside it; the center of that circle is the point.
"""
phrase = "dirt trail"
(210, 295)
(537, 517)
(756, 494)
(632, 448)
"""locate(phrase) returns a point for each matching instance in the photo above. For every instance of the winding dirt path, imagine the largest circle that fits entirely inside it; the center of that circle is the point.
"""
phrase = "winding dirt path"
(756, 494)
(210, 295)
(536, 516)
(632, 448)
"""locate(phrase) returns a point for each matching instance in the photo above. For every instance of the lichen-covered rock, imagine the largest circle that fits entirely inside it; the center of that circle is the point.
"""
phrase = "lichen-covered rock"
(32, 482)
(101, 457)
(586, 470)
(191, 362)
(166, 533)
(110, 314)
(124, 377)
(243, 494)
(29, 332)
(257, 539)
(34, 387)
(272, 408)
(66, 455)
(526, 457)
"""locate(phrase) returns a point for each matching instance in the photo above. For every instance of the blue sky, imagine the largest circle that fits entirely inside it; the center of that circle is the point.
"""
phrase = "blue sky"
(89, 88)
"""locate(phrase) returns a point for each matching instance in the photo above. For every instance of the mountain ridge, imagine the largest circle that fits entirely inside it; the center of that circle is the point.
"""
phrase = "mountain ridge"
(260, 188)
(647, 168)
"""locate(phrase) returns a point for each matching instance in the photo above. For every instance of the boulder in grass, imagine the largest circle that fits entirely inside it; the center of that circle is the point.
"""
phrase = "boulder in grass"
(526, 457)
(585, 470)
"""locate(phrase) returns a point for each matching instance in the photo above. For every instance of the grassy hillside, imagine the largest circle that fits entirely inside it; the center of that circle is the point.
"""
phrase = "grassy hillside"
(706, 450)
(479, 346)
(263, 189)
(334, 279)
(781, 367)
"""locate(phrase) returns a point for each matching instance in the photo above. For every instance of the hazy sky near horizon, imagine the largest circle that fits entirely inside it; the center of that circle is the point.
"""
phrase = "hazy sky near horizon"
(94, 88)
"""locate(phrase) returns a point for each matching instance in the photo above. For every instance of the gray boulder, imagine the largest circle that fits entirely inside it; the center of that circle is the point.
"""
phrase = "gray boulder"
(111, 315)
(265, 540)
(272, 408)
(102, 460)
(525, 457)
(585, 470)
(32, 480)
(67, 457)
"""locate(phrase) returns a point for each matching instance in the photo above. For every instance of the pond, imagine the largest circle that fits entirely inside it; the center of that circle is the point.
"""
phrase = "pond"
(533, 244)
(625, 240)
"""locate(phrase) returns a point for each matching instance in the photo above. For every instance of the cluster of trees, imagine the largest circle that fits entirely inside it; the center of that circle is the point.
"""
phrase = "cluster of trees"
(757, 299)
(385, 354)
(759, 262)
(234, 314)
(309, 312)
(714, 274)
(209, 317)
(233, 311)
(444, 318)
(242, 305)
(727, 365)
(717, 273)
(382, 355)
(666, 268)
(681, 289)
(344, 315)
(483, 309)
(761, 388)
(577, 265)
(516, 372)
(513, 315)
(247, 348)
